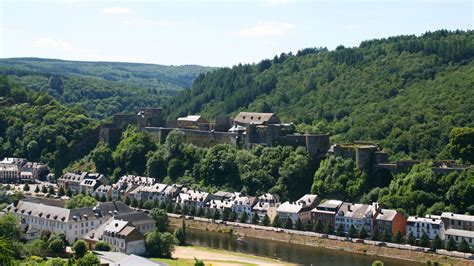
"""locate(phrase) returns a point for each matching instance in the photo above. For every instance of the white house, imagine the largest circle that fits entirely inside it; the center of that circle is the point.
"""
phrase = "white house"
(243, 204)
(358, 215)
(300, 209)
(124, 237)
(192, 198)
(431, 225)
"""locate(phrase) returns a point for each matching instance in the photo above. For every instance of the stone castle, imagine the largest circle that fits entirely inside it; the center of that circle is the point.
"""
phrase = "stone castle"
(245, 130)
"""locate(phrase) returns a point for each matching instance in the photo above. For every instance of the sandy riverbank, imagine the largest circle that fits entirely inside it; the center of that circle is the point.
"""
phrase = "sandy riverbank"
(359, 248)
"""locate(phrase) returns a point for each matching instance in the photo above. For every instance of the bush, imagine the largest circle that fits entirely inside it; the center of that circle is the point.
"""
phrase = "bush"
(102, 246)
(88, 260)
(56, 246)
(79, 248)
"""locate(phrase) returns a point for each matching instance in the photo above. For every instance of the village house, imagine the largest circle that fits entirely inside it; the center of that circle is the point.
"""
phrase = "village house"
(357, 215)
(16, 170)
(223, 195)
(459, 235)
(301, 209)
(142, 221)
(76, 183)
(128, 183)
(243, 204)
(103, 191)
(458, 221)
(74, 223)
(220, 205)
(154, 192)
(392, 221)
(170, 193)
(124, 237)
(326, 212)
(432, 226)
(88, 186)
(266, 205)
(192, 198)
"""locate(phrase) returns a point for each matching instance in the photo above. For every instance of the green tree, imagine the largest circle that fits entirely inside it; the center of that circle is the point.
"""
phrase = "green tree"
(276, 221)
(61, 192)
(437, 243)
(131, 151)
(88, 260)
(266, 220)
(233, 216)
(161, 219)
(398, 238)
(127, 201)
(102, 246)
(411, 239)
(37, 190)
(68, 193)
(6, 251)
(319, 227)
(10, 227)
(385, 237)
(461, 144)
(243, 217)
(80, 201)
(288, 223)
(299, 225)
(225, 214)
(375, 234)
(255, 218)
(134, 202)
(56, 246)
(424, 240)
(329, 228)
(51, 190)
(79, 248)
(363, 233)
(44, 189)
(180, 234)
(26, 187)
(340, 230)
(160, 244)
(102, 158)
(352, 231)
(451, 245)
(464, 246)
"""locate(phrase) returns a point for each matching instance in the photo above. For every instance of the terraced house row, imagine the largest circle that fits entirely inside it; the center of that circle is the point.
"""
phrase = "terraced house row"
(309, 210)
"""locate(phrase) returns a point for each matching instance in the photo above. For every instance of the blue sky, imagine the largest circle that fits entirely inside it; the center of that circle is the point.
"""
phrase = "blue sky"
(213, 33)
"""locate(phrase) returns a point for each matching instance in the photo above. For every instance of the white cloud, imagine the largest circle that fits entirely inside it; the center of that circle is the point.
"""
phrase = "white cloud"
(116, 10)
(50, 43)
(267, 29)
(275, 2)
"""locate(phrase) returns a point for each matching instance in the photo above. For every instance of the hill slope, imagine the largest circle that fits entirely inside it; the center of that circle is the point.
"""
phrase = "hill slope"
(36, 127)
(405, 92)
(101, 88)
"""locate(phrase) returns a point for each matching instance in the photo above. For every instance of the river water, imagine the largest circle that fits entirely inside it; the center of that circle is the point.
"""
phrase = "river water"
(293, 253)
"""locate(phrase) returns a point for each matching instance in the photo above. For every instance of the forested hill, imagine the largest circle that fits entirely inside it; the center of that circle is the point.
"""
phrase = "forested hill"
(101, 88)
(35, 126)
(405, 92)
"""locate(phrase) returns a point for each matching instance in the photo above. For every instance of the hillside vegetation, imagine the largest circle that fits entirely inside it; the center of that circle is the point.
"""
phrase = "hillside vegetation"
(101, 88)
(405, 92)
(35, 126)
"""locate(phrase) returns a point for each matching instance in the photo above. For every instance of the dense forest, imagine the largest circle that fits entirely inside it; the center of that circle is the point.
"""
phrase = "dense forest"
(35, 126)
(101, 88)
(405, 92)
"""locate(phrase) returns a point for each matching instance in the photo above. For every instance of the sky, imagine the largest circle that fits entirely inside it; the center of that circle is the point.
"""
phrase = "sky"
(211, 32)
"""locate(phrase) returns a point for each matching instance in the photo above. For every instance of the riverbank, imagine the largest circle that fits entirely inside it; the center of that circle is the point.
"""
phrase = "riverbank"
(357, 248)
(185, 256)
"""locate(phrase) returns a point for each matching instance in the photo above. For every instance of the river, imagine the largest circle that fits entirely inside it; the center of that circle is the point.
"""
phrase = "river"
(293, 253)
